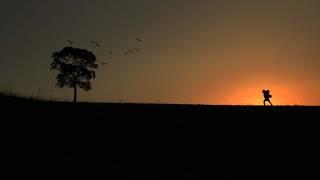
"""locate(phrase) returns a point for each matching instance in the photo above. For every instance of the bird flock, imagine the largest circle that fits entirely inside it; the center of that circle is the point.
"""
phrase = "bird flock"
(126, 52)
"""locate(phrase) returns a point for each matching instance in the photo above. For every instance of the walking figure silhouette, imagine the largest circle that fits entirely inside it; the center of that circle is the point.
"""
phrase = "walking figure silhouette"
(267, 96)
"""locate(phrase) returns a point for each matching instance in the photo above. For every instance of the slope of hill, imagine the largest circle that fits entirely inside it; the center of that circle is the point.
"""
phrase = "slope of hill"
(57, 140)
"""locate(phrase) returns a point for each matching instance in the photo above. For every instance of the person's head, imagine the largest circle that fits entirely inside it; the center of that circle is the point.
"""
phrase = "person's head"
(265, 91)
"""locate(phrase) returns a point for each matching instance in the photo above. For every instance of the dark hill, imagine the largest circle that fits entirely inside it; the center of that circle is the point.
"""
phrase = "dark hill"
(59, 140)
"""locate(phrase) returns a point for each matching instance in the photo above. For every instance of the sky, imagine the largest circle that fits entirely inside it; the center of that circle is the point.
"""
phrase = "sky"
(193, 51)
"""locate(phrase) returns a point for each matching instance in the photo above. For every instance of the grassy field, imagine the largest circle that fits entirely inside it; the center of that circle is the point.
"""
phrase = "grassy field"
(60, 140)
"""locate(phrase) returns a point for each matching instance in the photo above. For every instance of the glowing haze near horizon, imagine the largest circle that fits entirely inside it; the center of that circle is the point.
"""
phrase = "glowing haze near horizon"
(194, 51)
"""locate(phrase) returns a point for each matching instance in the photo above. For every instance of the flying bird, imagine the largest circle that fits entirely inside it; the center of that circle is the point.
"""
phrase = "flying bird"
(70, 42)
(94, 42)
(138, 39)
(137, 49)
(103, 63)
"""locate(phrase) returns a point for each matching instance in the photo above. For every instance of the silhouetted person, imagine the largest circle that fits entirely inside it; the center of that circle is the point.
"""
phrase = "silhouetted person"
(267, 96)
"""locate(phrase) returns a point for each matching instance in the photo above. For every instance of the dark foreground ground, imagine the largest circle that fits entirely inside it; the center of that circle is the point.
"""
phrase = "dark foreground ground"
(49, 140)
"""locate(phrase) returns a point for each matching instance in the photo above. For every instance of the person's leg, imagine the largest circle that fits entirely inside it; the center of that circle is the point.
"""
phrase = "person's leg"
(264, 103)
(270, 103)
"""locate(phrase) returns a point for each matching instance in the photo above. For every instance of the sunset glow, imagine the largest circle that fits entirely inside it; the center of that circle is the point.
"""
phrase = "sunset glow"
(203, 52)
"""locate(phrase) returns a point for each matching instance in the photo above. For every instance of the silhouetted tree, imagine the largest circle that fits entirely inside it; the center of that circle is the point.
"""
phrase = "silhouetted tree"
(76, 68)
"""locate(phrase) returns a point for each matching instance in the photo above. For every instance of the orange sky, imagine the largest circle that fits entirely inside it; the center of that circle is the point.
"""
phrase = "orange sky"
(204, 51)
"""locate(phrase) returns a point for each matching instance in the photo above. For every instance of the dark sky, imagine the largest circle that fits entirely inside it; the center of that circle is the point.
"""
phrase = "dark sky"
(194, 51)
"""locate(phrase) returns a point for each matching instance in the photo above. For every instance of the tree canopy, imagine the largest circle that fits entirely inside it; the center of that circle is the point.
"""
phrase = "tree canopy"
(76, 68)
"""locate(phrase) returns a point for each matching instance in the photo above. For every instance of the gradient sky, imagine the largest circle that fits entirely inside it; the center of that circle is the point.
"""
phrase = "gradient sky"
(194, 51)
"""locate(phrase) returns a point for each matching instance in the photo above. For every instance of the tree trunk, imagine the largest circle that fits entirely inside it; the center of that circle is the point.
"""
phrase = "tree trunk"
(75, 94)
